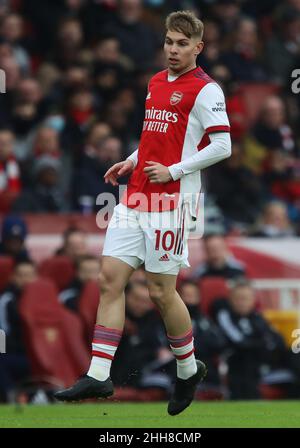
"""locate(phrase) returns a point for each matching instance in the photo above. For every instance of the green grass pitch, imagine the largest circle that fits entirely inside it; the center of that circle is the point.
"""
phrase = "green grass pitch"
(255, 414)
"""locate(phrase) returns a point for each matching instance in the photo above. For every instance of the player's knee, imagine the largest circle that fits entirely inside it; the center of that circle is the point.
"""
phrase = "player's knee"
(162, 303)
(155, 291)
(160, 296)
(108, 284)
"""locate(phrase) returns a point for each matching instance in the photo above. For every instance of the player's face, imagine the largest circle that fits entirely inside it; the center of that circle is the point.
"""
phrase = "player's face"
(181, 51)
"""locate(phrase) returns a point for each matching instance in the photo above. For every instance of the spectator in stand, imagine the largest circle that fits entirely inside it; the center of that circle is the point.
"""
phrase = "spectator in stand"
(260, 9)
(10, 183)
(243, 57)
(128, 26)
(89, 178)
(108, 77)
(46, 195)
(98, 132)
(227, 14)
(59, 84)
(87, 268)
(218, 260)
(275, 222)
(12, 78)
(208, 339)
(210, 56)
(81, 107)
(49, 77)
(251, 342)
(111, 67)
(107, 51)
(13, 238)
(14, 365)
(29, 92)
(125, 100)
(12, 30)
(46, 16)
(29, 110)
(271, 132)
(241, 206)
(80, 116)
(118, 119)
(70, 39)
(46, 143)
(283, 181)
(4, 9)
(235, 104)
(74, 244)
(282, 49)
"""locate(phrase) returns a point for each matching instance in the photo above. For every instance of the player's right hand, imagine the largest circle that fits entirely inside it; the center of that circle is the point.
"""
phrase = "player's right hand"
(117, 170)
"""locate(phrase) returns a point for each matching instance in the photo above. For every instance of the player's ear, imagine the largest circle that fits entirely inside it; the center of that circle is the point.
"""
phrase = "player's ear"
(199, 47)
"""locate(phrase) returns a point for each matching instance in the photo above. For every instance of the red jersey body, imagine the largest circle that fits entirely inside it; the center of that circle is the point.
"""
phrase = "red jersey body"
(177, 122)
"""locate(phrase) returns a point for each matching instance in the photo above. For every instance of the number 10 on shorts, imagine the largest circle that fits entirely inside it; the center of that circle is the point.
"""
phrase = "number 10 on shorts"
(168, 240)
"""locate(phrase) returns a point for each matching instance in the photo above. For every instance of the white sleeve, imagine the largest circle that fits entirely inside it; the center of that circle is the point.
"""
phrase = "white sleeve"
(218, 149)
(211, 109)
(134, 157)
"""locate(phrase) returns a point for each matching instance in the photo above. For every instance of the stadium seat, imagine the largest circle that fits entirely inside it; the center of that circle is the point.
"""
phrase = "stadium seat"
(6, 268)
(88, 306)
(59, 269)
(211, 288)
(7, 199)
(284, 321)
(53, 336)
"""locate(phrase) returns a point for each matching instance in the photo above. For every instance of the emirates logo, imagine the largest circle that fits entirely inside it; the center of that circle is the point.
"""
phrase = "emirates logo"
(176, 97)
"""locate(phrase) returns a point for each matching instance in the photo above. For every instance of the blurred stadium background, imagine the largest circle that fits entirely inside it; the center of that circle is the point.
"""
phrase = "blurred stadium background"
(76, 79)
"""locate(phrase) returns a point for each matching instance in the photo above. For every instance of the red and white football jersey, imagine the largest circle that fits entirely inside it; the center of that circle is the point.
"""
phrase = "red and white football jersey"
(179, 115)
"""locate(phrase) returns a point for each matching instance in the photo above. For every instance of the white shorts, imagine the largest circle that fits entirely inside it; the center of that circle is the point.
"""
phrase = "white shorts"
(157, 239)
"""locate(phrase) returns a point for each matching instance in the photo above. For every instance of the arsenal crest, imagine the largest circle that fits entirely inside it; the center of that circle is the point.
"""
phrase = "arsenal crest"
(176, 97)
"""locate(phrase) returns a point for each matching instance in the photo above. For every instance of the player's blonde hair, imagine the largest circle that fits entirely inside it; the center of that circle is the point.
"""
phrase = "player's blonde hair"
(185, 22)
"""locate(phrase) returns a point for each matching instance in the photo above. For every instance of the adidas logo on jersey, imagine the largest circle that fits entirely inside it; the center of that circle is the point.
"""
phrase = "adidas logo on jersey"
(148, 96)
(165, 257)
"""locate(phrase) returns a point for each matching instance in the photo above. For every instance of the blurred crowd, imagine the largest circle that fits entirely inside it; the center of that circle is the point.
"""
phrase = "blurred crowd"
(76, 80)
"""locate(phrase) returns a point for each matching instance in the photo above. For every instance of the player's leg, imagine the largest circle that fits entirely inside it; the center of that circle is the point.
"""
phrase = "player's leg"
(177, 321)
(166, 236)
(114, 276)
(166, 251)
(162, 289)
(123, 252)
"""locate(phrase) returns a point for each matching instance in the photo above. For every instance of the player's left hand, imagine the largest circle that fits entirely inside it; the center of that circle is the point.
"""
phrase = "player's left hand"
(157, 173)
